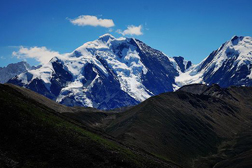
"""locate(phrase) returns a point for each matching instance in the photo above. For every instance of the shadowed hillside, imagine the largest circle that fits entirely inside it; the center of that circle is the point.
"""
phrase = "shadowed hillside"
(205, 129)
(197, 126)
(35, 135)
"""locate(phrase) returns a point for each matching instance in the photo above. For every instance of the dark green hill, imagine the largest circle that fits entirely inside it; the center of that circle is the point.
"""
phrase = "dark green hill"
(34, 134)
(198, 126)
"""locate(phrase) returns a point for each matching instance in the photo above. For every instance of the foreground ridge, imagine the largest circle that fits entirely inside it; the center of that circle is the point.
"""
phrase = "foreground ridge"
(33, 134)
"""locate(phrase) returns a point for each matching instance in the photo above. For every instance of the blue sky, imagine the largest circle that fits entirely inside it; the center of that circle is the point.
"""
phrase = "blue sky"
(190, 28)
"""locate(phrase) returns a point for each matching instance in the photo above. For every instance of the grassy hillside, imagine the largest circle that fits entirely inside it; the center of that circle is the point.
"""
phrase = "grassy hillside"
(205, 129)
(32, 134)
(197, 126)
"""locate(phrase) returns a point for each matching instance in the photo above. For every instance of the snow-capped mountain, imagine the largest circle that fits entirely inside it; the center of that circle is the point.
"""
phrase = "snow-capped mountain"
(114, 72)
(229, 65)
(12, 70)
(106, 73)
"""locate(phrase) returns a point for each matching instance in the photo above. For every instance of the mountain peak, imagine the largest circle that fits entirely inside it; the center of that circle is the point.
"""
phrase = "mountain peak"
(106, 37)
(235, 39)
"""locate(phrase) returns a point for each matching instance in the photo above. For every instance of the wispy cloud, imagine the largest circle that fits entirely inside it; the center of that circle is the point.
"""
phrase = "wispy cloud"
(41, 54)
(88, 20)
(131, 30)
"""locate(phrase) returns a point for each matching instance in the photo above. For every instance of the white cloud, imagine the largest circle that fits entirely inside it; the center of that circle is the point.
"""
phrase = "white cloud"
(131, 30)
(88, 20)
(41, 54)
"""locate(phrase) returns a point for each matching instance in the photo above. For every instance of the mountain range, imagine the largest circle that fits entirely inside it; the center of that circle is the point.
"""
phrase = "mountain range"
(111, 72)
